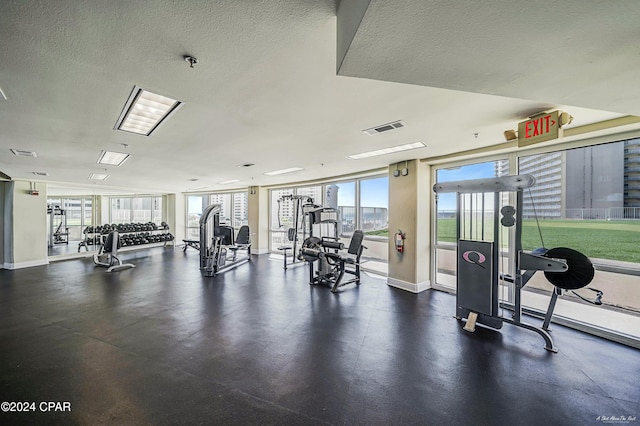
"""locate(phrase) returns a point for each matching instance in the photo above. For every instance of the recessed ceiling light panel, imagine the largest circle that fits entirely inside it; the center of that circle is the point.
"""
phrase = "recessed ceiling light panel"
(112, 158)
(227, 182)
(98, 176)
(390, 150)
(21, 153)
(283, 171)
(144, 111)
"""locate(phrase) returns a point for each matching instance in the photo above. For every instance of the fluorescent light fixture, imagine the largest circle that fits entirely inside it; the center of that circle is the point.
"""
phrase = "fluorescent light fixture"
(390, 150)
(98, 176)
(112, 158)
(144, 111)
(283, 171)
(226, 182)
(22, 153)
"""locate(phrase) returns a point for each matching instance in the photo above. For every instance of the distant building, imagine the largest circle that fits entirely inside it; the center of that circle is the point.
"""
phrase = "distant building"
(544, 199)
(595, 182)
(632, 173)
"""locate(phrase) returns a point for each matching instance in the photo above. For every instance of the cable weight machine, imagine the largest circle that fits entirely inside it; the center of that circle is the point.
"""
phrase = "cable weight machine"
(302, 205)
(218, 241)
(57, 234)
(480, 281)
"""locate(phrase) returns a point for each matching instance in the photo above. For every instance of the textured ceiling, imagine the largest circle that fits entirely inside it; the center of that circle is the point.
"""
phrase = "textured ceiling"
(572, 52)
(266, 90)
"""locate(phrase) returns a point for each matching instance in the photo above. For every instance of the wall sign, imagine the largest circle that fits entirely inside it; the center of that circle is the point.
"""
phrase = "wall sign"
(541, 128)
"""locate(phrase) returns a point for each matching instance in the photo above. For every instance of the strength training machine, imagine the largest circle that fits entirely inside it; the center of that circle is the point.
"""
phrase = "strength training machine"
(108, 254)
(218, 247)
(483, 285)
(301, 205)
(57, 216)
(325, 250)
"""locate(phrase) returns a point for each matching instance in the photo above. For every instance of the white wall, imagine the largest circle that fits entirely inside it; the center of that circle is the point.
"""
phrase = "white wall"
(26, 225)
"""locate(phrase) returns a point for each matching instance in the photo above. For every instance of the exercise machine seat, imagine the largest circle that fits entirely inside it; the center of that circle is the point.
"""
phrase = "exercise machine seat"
(242, 241)
(244, 236)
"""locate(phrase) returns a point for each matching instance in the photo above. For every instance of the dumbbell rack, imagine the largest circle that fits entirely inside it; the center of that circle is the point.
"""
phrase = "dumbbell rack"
(142, 235)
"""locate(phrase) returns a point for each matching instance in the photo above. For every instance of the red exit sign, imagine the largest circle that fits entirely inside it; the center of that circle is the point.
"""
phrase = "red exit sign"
(541, 128)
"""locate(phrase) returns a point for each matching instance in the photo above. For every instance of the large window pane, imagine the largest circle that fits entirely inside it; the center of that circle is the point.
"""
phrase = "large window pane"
(240, 209)
(586, 199)
(281, 210)
(374, 206)
(195, 207)
(73, 213)
(234, 210)
(225, 204)
(372, 217)
(579, 200)
(121, 210)
(157, 210)
(342, 196)
(88, 212)
(141, 209)
(446, 208)
(314, 192)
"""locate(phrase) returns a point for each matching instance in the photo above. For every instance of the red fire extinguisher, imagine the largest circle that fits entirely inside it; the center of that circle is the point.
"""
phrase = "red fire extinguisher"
(400, 237)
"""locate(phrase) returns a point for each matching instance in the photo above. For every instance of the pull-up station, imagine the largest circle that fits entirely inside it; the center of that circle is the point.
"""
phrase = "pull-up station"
(482, 209)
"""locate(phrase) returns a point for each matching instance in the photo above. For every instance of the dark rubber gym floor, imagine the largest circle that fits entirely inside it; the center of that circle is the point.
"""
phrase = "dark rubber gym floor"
(159, 344)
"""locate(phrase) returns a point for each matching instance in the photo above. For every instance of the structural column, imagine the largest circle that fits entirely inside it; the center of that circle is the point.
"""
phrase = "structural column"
(409, 212)
(25, 225)
(258, 210)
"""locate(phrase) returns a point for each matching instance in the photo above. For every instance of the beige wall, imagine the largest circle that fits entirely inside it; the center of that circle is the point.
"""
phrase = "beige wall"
(258, 210)
(2, 224)
(409, 211)
(174, 212)
(27, 245)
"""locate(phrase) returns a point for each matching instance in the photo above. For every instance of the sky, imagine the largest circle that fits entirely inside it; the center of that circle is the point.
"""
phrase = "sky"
(447, 201)
(373, 193)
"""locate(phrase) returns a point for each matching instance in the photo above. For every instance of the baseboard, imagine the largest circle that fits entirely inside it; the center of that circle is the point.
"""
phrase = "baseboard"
(259, 252)
(29, 264)
(407, 286)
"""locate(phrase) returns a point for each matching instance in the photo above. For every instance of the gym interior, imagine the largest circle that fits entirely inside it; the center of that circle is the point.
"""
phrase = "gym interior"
(319, 212)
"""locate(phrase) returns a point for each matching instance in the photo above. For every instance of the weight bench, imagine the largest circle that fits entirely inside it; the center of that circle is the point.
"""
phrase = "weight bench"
(243, 241)
(292, 235)
(107, 256)
(191, 243)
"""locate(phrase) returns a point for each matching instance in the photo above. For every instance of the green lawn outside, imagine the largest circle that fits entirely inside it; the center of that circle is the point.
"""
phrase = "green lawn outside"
(616, 240)
(380, 232)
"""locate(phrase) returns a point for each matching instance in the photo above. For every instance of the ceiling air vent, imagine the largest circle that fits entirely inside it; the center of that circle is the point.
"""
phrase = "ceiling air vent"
(246, 165)
(40, 173)
(21, 153)
(384, 128)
